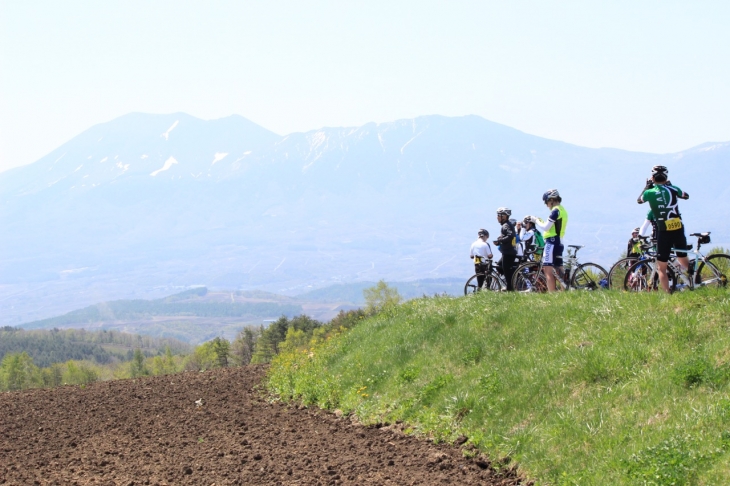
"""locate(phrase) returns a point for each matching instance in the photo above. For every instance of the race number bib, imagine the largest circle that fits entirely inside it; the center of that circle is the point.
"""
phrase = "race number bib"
(673, 224)
(477, 259)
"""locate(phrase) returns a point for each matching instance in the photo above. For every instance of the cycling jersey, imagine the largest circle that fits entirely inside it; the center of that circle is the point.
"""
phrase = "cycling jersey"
(663, 200)
(506, 239)
(480, 249)
(556, 224)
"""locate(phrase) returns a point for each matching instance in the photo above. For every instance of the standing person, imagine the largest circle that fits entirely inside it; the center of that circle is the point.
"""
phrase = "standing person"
(531, 238)
(663, 199)
(553, 231)
(519, 247)
(480, 251)
(634, 246)
(506, 242)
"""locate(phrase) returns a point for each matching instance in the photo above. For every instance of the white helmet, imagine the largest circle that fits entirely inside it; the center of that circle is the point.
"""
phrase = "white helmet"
(506, 211)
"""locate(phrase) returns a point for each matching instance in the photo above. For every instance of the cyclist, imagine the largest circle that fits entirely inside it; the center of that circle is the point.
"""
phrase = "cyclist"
(531, 238)
(518, 240)
(506, 242)
(553, 231)
(663, 199)
(480, 251)
(634, 247)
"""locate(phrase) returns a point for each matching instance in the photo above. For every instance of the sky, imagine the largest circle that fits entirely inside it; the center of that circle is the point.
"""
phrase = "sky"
(647, 76)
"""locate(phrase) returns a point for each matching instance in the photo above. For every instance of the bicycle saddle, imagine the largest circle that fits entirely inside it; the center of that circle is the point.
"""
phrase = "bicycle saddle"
(701, 234)
(577, 247)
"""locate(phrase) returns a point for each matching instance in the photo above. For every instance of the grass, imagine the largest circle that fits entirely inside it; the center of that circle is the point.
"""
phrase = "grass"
(576, 388)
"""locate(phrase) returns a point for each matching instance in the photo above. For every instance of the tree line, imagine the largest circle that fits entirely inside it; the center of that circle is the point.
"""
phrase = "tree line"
(253, 344)
(101, 347)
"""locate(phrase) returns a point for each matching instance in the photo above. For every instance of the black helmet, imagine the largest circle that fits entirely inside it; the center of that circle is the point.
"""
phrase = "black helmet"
(527, 219)
(483, 232)
(506, 211)
(550, 194)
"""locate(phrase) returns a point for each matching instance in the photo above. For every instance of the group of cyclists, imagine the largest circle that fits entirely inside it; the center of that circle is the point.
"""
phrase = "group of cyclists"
(536, 238)
(517, 240)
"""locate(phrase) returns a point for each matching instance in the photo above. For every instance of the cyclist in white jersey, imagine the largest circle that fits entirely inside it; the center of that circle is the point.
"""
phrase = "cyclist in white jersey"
(480, 252)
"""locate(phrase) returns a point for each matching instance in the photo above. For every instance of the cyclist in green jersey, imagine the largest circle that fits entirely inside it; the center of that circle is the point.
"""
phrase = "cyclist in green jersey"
(663, 199)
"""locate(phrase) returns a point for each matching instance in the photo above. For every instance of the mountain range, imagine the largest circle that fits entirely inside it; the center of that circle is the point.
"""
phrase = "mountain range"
(146, 204)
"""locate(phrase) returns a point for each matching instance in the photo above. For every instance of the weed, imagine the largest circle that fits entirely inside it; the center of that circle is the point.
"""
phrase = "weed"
(408, 375)
(674, 461)
(472, 355)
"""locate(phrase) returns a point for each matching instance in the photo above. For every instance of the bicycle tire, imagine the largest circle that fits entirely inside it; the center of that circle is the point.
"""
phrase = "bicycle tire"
(705, 275)
(589, 276)
(618, 271)
(492, 282)
(471, 286)
(638, 276)
(526, 278)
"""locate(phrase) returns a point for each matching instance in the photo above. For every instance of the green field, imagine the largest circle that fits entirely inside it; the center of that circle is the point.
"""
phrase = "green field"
(573, 388)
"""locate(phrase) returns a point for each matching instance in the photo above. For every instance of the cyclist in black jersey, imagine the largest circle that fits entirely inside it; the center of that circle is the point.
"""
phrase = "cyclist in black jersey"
(506, 242)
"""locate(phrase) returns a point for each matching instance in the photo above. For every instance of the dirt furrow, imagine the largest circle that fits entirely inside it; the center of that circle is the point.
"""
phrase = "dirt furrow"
(152, 432)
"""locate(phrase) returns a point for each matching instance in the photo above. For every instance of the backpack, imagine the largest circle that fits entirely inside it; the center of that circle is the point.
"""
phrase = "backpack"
(539, 240)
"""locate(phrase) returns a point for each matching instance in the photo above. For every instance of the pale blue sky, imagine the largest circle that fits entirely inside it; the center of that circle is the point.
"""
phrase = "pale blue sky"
(643, 75)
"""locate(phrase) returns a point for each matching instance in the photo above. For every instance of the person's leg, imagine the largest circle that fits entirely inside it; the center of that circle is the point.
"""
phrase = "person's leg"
(479, 270)
(509, 269)
(547, 266)
(661, 268)
(664, 248)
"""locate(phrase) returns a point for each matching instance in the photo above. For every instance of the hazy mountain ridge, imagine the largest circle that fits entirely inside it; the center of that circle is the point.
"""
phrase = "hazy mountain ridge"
(399, 201)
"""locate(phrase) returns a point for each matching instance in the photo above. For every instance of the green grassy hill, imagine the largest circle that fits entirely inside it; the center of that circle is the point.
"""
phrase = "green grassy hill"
(574, 388)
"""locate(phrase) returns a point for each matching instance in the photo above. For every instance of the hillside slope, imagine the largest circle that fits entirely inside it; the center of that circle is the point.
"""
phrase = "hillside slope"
(577, 388)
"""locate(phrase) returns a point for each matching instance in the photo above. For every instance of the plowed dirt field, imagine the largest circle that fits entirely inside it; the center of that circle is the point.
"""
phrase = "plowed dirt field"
(151, 431)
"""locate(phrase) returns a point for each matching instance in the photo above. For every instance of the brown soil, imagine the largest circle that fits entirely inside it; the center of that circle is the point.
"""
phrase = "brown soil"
(150, 431)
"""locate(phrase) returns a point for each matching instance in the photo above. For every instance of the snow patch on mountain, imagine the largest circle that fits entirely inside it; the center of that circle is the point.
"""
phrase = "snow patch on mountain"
(166, 135)
(219, 156)
(168, 163)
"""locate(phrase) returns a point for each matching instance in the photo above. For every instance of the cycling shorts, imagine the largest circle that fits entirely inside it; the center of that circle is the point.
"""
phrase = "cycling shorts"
(666, 240)
(552, 255)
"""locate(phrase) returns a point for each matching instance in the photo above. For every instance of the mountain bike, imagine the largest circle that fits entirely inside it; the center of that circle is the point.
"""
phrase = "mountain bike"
(704, 271)
(618, 270)
(529, 276)
(492, 280)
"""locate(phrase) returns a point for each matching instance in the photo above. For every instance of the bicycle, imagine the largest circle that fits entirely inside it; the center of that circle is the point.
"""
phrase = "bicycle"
(618, 270)
(704, 271)
(492, 279)
(529, 276)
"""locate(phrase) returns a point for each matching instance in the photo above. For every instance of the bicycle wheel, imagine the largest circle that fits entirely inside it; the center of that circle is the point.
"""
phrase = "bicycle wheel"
(527, 278)
(715, 273)
(494, 282)
(642, 277)
(471, 286)
(618, 272)
(589, 276)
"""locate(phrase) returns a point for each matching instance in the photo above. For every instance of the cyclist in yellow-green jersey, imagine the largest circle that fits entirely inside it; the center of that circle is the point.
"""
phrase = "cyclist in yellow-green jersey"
(553, 230)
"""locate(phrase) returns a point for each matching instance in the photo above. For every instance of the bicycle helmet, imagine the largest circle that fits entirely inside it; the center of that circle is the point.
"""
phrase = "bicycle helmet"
(550, 194)
(659, 173)
(483, 232)
(505, 211)
(635, 230)
(527, 219)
